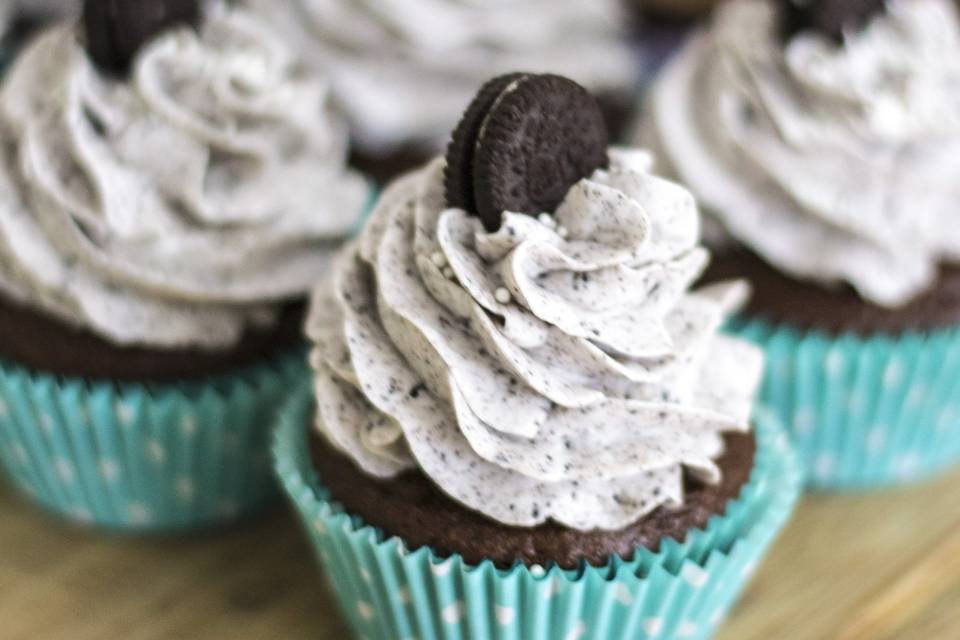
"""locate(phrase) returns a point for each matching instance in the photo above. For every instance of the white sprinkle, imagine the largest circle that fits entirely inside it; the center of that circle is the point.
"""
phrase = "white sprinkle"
(502, 295)
(438, 259)
(563, 232)
(448, 273)
(547, 220)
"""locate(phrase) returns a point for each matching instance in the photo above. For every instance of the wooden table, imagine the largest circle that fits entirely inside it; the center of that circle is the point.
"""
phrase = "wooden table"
(877, 567)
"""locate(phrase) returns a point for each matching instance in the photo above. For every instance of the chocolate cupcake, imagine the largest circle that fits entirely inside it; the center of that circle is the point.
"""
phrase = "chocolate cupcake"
(822, 138)
(171, 184)
(404, 72)
(517, 393)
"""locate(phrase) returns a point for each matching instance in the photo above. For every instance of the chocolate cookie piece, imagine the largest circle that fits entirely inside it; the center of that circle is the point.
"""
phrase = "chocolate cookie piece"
(524, 141)
(781, 299)
(41, 343)
(831, 18)
(414, 509)
(116, 29)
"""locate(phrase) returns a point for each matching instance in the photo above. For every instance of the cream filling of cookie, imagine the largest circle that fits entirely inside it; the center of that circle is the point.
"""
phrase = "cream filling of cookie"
(558, 368)
(406, 69)
(833, 163)
(179, 206)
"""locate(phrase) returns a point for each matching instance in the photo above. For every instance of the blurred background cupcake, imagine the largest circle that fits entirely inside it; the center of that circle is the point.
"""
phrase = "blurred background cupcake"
(171, 185)
(823, 137)
(404, 71)
(525, 424)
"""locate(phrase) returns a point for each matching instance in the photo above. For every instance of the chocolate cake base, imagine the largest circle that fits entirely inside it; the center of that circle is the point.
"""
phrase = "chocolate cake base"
(39, 342)
(780, 299)
(414, 509)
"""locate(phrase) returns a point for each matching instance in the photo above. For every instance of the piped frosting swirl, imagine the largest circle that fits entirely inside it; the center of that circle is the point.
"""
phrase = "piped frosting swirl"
(556, 369)
(833, 163)
(177, 207)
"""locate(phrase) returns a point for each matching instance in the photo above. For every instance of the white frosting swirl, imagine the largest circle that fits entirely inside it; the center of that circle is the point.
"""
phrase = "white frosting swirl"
(833, 163)
(556, 369)
(178, 206)
(406, 69)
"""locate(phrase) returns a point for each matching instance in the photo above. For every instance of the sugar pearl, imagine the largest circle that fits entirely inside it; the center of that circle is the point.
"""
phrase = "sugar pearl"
(547, 220)
(448, 273)
(438, 259)
(562, 232)
(502, 295)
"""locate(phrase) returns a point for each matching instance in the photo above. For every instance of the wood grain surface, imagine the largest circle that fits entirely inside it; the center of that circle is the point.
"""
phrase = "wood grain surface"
(883, 566)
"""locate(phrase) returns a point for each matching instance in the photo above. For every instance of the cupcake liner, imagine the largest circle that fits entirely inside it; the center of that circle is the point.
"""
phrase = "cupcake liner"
(145, 457)
(864, 412)
(683, 590)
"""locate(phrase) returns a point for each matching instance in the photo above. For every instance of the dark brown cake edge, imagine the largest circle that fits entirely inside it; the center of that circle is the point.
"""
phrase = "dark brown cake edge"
(411, 508)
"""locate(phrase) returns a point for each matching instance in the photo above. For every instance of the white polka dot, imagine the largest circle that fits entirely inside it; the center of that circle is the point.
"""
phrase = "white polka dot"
(834, 364)
(553, 587)
(138, 514)
(124, 413)
(622, 594)
(907, 465)
(892, 374)
(577, 632)
(803, 421)
(109, 470)
(442, 569)
(453, 614)
(20, 454)
(824, 466)
(156, 452)
(365, 609)
(687, 629)
(64, 470)
(505, 615)
(653, 626)
(185, 489)
(876, 439)
(320, 526)
(916, 396)
(403, 596)
(188, 426)
(537, 571)
(694, 575)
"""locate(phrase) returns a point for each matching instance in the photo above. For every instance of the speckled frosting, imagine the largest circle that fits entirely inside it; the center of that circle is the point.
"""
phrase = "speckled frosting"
(406, 69)
(556, 369)
(833, 163)
(177, 207)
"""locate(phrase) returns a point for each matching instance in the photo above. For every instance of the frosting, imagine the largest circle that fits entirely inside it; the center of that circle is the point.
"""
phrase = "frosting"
(406, 69)
(558, 368)
(180, 206)
(833, 163)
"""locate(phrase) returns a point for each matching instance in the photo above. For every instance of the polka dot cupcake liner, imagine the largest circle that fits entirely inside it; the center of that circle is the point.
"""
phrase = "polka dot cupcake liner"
(863, 412)
(684, 590)
(145, 457)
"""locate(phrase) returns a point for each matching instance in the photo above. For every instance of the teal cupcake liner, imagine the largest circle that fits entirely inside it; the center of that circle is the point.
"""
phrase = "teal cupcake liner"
(145, 457)
(864, 412)
(683, 590)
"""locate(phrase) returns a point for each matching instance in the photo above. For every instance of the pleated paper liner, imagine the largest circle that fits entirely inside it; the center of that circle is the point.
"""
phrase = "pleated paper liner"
(864, 412)
(145, 457)
(684, 590)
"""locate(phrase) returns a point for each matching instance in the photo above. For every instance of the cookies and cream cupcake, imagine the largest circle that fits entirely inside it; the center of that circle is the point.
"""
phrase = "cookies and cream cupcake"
(517, 391)
(405, 71)
(171, 186)
(822, 138)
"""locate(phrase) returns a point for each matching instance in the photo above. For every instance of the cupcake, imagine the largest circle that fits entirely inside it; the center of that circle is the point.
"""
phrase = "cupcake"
(823, 141)
(405, 71)
(171, 186)
(19, 18)
(523, 423)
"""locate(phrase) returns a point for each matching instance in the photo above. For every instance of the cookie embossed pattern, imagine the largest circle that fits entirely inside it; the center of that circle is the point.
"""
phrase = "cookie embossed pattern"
(511, 352)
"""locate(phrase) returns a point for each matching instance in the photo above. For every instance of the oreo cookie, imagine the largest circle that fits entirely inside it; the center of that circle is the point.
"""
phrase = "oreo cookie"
(116, 29)
(522, 143)
(832, 18)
